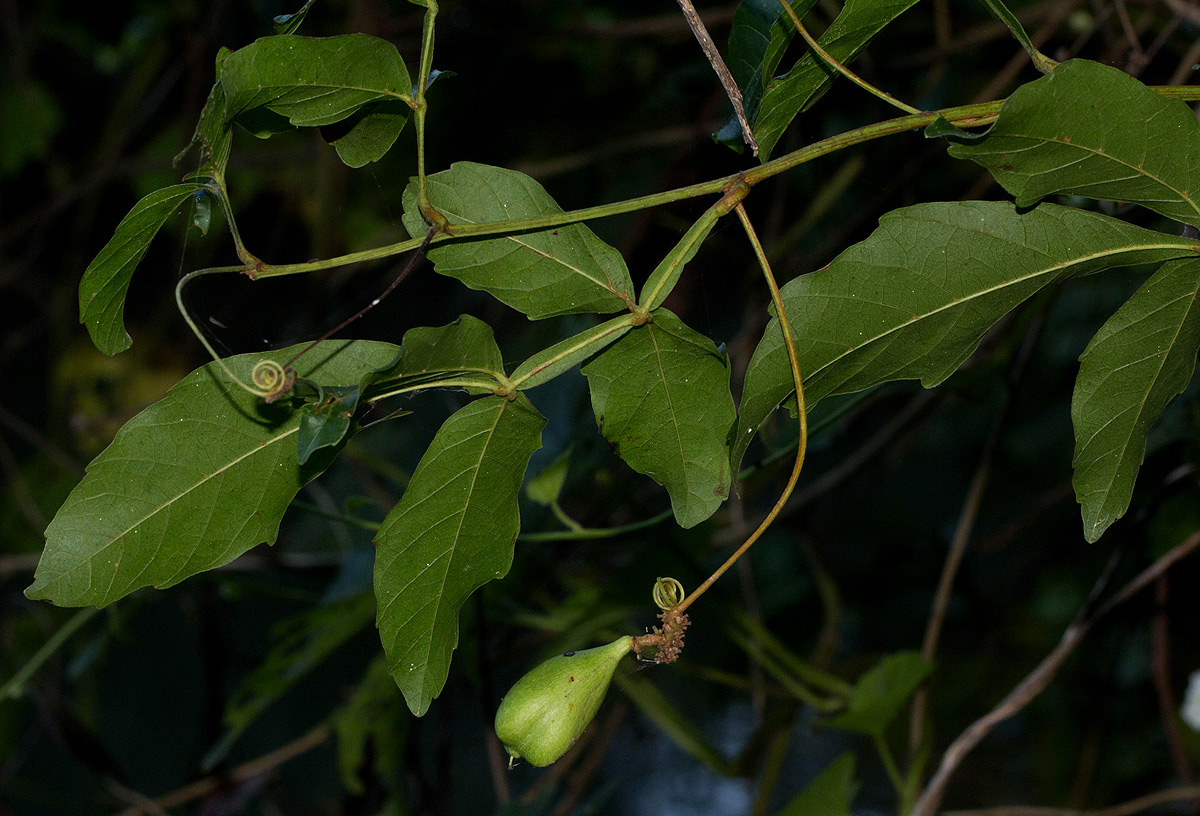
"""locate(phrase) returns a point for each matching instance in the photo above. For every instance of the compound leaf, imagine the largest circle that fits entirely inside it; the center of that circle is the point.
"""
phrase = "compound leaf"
(190, 483)
(564, 270)
(453, 531)
(661, 398)
(914, 299)
(1137, 363)
(1058, 135)
(106, 280)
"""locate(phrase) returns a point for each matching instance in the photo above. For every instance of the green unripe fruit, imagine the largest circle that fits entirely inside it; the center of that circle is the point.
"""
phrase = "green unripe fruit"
(549, 708)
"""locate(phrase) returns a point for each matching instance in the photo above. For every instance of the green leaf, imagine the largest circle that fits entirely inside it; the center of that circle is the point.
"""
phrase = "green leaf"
(565, 355)
(376, 714)
(368, 134)
(830, 794)
(661, 398)
(1001, 12)
(1059, 135)
(288, 23)
(914, 299)
(212, 130)
(545, 487)
(325, 424)
(881, 693)
(190, 483)
(431, 354)
(106, 280)
(749, 38)
(1137, 363)
(565, 270)
(809, 78)
(453, 531)
(29, 117)
(320, 81)
(664, 277)
(302, 643)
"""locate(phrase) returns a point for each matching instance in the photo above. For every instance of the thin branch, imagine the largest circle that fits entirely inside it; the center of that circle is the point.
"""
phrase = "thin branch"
(838, 67)
(1160, 672)
(966, 525)
(1126, 809)
(1037, 680)
(248, 770)
(718, 64)
(801, 410)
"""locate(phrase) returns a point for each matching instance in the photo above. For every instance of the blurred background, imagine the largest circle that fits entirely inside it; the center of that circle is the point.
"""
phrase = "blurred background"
(257, 679)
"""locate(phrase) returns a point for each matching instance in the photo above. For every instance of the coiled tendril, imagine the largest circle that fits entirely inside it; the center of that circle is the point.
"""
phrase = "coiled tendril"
(667, 593)
(272, 380)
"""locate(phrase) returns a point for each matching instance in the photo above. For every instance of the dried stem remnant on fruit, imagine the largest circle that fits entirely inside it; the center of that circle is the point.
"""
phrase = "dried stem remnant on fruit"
(667, 639)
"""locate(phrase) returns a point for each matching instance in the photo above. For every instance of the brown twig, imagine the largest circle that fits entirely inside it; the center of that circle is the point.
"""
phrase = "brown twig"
(966, 525)
(1125, 809)
(246, 771)
(1160, 672)
(718, 64)
(1035, 682)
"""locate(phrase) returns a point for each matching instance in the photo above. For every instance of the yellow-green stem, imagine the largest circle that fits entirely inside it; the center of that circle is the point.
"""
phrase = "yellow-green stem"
(422, 107)
(187, 317)
(976, 115)
(828, 59)
(802, 408)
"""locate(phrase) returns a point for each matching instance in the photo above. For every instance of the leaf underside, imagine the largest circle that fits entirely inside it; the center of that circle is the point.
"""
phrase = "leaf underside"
(1141, 358)
(914, 299)
(661, 398)
(1059, 135)
(452, 532)
(809, 79)
(190, 483)
(565, 270)
(106, 280)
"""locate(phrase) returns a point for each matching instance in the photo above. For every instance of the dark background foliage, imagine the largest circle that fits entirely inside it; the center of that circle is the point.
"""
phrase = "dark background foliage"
(600, 101)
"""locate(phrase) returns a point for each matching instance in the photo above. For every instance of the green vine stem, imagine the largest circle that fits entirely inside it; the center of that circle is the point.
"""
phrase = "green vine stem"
(801, 407)
(828, 59)
(262, 389)
(218, 191)
(15, 686)
(494, 381)
(422, 107)
(590, 533)
(976, 115)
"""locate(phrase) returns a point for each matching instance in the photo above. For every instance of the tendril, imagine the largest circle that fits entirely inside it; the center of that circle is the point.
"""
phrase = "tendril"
(667, 593)
(273, 379)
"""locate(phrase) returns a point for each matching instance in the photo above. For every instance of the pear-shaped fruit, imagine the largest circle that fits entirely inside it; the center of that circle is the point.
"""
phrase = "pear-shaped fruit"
(549, 708)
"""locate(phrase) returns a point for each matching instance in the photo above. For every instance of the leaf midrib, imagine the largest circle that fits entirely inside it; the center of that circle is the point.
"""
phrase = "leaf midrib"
(606, 286)
(119, 536)
(962, 301)
(1137, 169)
(1141, 407)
